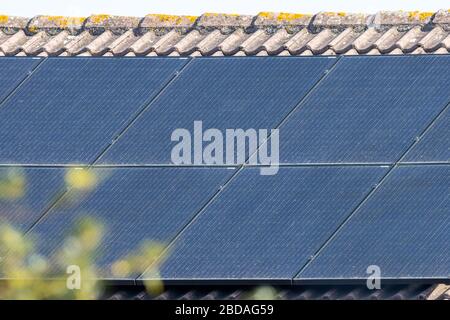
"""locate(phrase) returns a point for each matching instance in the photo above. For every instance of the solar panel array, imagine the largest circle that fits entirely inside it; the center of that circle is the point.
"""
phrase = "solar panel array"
(364, 175)
(69, 111)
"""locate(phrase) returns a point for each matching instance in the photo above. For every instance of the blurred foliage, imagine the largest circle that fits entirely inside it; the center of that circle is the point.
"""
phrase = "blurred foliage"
(81, 179)
(26, 274)
(264, 293)
(153, 253)
(12, 184)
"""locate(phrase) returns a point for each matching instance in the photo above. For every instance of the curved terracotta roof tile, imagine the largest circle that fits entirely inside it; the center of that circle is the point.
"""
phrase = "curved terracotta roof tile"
(211, 34)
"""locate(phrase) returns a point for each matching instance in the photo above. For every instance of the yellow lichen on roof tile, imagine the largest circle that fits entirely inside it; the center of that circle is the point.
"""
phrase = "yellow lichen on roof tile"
(191, 18)
(267, 15)
(99, 18)
(291, 16)
(173, 19)
(421, 15)
(214, 14)
(4, 19)
(330, 13)
(63, 22)
(76, 20)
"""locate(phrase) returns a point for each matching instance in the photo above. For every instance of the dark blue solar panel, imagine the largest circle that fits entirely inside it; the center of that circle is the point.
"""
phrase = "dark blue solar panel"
(71, 109)
(13, 71)
(369, 109)
(135, 205)
(26, 193)
(223, 93)
(435, 145)
(403, 229)
(266, 227)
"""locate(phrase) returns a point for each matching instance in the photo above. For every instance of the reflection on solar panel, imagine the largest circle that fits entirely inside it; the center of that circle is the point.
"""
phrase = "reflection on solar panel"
(26, 193)
(403, 229)
(13, 71)
(368, 109)
(70, 109)
(266, 227)
(435, 145)
(151, 204)
(224, 94)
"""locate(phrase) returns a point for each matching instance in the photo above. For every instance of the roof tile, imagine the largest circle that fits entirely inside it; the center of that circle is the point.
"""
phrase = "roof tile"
(402, 18)
(366, 40)
(268, 33)
(274, 44)
(208, 45)
(13, 44)
(442, 17)
(343, 42)
(233, 42)
(320, 42)
(432, 40)
(164, 45)
(155, 21)
(121, 45)
(188, 43)
(320, 292)
(100, 45)
(77, 44)
(253, 44)
(55, 45)
(144, 43)
(298, 42)
(54, 24)
(212, 20)
(410, 40)
(342, 19)
(265, 19)
(388, 40)
(34, 44)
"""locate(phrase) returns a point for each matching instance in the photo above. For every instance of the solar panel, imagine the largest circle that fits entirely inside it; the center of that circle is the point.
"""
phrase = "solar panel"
(26, 192)
(227, 93)
(435, 145)
(13, 71)
(403, 229)
(368, 110)
(71, 109)
(267, 227)
(135, 205)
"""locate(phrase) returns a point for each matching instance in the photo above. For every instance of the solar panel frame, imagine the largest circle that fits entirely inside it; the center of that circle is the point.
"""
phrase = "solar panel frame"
(225, 93)
(402, 95)
(135, 205)
(402, 229)
(13, 71)
(434, 146)
(70, 110)
(26, 193)
(238, 238)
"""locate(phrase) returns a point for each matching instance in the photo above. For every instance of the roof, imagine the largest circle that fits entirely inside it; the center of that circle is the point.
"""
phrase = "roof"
(325, 33)
(145, 84)
(324, 292)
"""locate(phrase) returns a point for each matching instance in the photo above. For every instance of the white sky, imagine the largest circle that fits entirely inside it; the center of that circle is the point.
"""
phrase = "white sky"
(196, 7)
